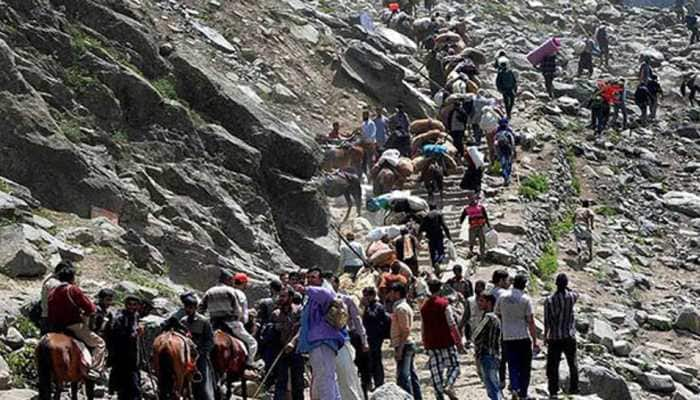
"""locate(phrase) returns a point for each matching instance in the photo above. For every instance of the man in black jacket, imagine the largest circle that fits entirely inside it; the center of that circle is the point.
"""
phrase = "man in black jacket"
(123, 338)
(548, 67)
(436, 230)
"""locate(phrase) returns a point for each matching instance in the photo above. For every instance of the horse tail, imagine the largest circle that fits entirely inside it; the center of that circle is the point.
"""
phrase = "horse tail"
(44, 369)
(684, 84)
(166, 374)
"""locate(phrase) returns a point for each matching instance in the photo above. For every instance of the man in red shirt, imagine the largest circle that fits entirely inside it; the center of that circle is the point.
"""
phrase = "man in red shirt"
(478, 221)
(442, 340)
(68, 306)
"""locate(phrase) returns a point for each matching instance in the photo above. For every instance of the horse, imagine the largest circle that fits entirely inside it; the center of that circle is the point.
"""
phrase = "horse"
(59, 361)
(385, 181)
(344, 184)
(229, 360)
(432, 177)
(343, 158)
(691, 86)
(174, 365)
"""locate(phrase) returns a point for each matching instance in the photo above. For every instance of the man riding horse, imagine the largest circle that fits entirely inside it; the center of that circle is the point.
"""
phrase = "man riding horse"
(226, 311)
(67, 308)
(201, 332)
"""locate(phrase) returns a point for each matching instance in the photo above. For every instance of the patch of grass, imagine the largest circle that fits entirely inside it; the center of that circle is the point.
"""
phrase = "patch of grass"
(494, 168)
(166, 88)
(142, 278)
(79, 79)
(22, 367)
(615, 137)
(4, 187)
(120, 136)
(82, 42)
(548, 263)
(607, 211)
(70, 128)
(26, 327)
(564, 226)
(534, 185)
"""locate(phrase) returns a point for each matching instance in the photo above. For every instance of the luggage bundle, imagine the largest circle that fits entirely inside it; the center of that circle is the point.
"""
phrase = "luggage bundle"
(424, 125)
(546, 49)
(434, 136)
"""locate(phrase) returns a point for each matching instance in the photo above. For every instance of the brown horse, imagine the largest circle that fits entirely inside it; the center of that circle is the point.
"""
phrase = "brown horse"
(229, 359)
(433, 177)
(385, 181)
(59, 361)
(174, 365)
(343, 158)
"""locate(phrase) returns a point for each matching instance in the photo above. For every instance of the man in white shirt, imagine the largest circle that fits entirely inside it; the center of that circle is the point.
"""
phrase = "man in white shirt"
(519, 334)
(352, 255)
(368, 141)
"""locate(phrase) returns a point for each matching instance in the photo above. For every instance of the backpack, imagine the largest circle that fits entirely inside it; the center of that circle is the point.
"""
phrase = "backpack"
(505, 80)
(504, 141)
(337, 314)
(691, 21)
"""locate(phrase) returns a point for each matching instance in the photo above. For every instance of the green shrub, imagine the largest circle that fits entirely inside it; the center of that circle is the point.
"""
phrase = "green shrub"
(547, 264)
(26, 327)
(79, 79)
(534, 185)
(22, 367)
(4, 187)
(607, 211)
(563, 226)
(166, 88)
(494, 168)
(120, 136)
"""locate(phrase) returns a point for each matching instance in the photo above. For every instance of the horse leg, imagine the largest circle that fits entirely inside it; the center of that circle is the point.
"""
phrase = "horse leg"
(244, 388)
(348, 199)
(45, 380)
(74, 390)
(229, 387)
(89, 390)
(57, 392)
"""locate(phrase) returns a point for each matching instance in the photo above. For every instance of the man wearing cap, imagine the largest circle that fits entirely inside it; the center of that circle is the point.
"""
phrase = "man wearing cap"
(50, 283)
(223, 302)
(203, 337)
(123, 338)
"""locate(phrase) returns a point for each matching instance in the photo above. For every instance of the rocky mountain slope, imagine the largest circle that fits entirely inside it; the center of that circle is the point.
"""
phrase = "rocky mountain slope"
(155, 141)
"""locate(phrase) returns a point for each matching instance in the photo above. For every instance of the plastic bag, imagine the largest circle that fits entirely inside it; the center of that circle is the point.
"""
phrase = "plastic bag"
(379, 232)
(491, 237)
(451, 253)
(464, 230)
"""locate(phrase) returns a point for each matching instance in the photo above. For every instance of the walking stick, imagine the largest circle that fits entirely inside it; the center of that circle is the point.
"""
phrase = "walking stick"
(272, 367)
(340, 236)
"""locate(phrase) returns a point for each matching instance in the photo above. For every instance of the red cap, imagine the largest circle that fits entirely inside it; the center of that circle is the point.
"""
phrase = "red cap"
(240, 277)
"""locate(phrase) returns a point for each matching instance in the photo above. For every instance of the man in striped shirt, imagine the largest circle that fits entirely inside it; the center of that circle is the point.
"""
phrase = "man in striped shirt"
(487, 346)
(560, 334)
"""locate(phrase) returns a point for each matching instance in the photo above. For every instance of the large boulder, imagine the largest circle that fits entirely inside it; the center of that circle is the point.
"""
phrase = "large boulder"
(657, 383)
(18, 394)
(603, 382)
(688, 319)
(683, 202)
(383, 79)
(390, 391)
(602, 333)
(18, 257)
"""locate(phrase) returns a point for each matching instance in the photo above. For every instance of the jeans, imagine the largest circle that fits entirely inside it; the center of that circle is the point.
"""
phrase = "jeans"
(376, 368)
(506, 161)
(509, 102)
(406, 375)
(489, 374)
(555, 350)
(598, 121)
(289, 364)
(458, 140)
(549, 84)
(519, 355)
(437, 250)
(362, 362)
(620, 108)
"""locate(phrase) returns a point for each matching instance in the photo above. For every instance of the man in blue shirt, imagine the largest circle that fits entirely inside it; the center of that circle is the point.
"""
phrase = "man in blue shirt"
(381, 125)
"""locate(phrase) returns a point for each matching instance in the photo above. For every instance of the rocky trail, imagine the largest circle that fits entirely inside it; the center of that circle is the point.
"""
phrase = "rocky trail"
(153, 142)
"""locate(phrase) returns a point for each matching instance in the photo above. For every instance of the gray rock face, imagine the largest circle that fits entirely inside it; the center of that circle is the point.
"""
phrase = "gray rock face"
(500, 256)
(660, 322)
(603, 382)
(390, 391)
(380, 77)
(688, 319)
(18, 257)
(14, 339)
